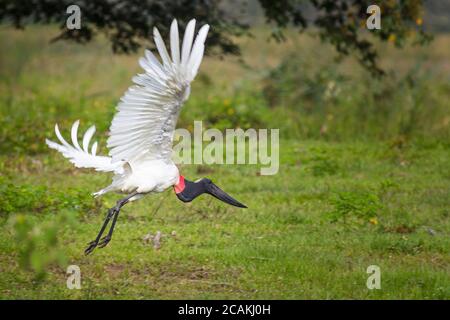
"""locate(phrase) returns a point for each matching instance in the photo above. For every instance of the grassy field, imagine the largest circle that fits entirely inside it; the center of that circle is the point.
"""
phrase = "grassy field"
(364, 178)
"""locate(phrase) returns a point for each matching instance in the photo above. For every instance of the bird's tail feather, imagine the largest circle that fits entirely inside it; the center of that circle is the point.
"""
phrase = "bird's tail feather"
(83, 157)
(102, 192)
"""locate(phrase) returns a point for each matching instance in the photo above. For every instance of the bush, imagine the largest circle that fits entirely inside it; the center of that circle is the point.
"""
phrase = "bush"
(349, 206)
(27, 198)
(36, 233)
(38, 246)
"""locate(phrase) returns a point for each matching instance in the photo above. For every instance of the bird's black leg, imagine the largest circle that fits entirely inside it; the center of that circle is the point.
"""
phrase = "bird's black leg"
(106, 239)
(112, 213)
(93, 244)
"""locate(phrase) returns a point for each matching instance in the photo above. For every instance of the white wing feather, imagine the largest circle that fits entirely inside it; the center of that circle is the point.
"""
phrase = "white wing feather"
(82, 158)
(148, 112)
(175, 42)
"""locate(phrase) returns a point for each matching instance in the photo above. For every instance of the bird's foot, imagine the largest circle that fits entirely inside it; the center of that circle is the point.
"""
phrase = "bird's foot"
(91, 246)
(112, 213)
(104, 241)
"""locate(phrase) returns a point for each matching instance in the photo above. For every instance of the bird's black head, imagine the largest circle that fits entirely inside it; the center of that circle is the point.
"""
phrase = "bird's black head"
(187, 191)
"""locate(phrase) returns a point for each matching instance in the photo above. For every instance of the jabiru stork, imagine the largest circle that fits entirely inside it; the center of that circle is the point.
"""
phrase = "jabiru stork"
(141, 132)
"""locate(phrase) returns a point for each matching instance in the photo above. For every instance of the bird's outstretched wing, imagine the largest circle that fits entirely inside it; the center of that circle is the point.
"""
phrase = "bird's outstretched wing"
(83, 157)
(147, 114)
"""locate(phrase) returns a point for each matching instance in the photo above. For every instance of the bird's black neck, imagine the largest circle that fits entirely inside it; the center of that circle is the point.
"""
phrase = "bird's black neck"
(189, 190)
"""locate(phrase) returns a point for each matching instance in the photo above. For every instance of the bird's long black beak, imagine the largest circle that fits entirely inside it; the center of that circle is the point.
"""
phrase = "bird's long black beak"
(215, 191)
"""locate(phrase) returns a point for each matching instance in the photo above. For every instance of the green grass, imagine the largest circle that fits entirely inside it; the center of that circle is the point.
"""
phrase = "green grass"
(364, 186)
(286, 245)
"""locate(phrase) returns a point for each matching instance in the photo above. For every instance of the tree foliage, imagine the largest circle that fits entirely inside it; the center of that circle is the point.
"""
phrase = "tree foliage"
(128, 24)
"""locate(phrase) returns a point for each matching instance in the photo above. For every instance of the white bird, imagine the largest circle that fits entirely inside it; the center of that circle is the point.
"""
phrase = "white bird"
(141, 132)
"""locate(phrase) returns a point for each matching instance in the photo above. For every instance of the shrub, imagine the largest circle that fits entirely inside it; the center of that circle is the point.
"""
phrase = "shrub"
(355, 205)
(28, 198)
(37, 243)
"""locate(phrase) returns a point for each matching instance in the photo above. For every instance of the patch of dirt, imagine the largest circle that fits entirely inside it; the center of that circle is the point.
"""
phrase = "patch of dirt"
(204, 169)
(401, 229)
(114, 270)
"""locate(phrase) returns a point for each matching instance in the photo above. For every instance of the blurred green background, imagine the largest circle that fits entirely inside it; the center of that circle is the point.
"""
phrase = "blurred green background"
(364, 175)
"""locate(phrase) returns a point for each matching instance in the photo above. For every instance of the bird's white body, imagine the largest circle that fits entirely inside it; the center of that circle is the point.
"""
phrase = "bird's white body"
(148, 176)
(141, 133)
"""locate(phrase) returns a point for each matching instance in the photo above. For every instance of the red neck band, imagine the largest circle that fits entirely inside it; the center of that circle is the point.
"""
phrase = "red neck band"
(179, 187)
